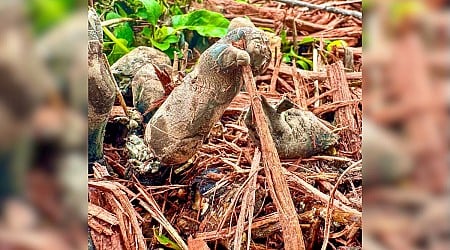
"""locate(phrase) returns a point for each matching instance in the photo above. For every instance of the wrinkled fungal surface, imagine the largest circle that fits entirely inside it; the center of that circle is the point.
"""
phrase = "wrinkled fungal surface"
(180, 125)
(101, 89)
(297, 133)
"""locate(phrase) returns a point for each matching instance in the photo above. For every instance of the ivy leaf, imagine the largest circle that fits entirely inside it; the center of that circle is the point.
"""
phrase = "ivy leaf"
(206, 23)
(151, 11)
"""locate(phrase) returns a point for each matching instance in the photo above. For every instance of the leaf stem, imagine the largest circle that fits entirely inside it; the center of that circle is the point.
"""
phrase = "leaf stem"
(115, 40)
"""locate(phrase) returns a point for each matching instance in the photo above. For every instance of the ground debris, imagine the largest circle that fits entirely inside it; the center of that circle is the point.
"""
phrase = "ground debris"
(221, 196)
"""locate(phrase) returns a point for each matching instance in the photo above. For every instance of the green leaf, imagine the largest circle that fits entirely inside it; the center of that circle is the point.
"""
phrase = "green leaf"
(286, 58)
(164, 240)
(146, 32)
(175, 10)
(162, 33)
(169, 52)
(267, 29)
(307, 61)
(337, 43)
(121, 11)
(151, 12)
(163, 38)
(117, 52)
(171, 39)
(206, 23)
(124, 31)
(307, 40)
(122, 43)
(112, 15)
(46, 14)
(165, 44)
(303, 64)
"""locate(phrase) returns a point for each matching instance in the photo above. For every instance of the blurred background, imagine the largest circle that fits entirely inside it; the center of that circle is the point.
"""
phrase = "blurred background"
(405, 130)
(43, 100)
(43, 124)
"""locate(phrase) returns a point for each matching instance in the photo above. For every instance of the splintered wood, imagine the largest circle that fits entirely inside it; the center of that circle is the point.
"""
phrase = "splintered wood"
(345, 116)
(292, 233)
(313, 23)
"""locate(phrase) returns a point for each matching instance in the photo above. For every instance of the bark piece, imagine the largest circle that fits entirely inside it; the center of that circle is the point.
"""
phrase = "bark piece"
(279, 191)
(346, 116)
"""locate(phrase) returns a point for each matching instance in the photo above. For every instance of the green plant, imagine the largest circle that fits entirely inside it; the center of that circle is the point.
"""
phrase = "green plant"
(45, 14)
(289, 54)
(336, 43)
(156, 23)
(165, 241)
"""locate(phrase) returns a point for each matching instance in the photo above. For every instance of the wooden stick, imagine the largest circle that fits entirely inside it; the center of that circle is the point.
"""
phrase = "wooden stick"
(292, 234)
(331, 9)
(118, 92)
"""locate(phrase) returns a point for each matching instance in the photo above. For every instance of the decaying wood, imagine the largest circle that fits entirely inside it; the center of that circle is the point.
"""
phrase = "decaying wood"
(323, 7)
(129, 228)
(102, 214)
(197, 244)
(321, 196)
(285, 69)
(308, 23)
(292, 233)
(276, 71)
(346, 115)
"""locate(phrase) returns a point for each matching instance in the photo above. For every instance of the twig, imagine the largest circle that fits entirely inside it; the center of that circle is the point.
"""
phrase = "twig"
(292, 234)
(115, 40)
(152, 207)
(118, 91)
(248, 204)
(331, 9)
(115, 21)
(330, 204)
(316, 82)
(310, 189)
